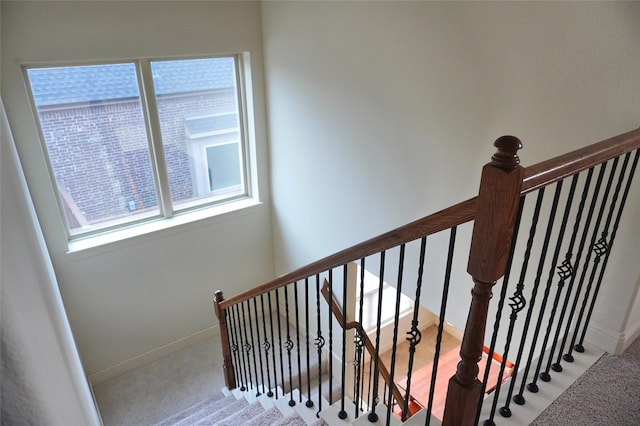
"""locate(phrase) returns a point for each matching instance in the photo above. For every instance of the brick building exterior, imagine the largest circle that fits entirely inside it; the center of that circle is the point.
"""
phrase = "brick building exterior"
(96, 138)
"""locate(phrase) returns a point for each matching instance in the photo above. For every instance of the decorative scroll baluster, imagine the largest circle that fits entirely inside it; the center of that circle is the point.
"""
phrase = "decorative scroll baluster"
(266, 345)
(373, 417)
(241, 352)
(566, 270)
(519, 398)
(273, 340)
(599, 248)
(234, 347)
(288, 345)
(359, 343)
(357, 364)
(518, 303)
(257, 346)
(319, 343)
(441, 320)
(247, 347)
(253, 348)
(501, 300)
(579, 346)
(342, 414)
(585, 266)
(414, 333)
(309, 402)
(396, 320)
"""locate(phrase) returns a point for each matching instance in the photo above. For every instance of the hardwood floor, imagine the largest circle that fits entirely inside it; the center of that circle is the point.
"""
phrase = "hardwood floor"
(423, 366)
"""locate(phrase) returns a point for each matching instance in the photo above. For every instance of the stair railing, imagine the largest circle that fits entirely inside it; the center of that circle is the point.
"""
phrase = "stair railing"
(590, 225)
(375, 254)
(600, 177)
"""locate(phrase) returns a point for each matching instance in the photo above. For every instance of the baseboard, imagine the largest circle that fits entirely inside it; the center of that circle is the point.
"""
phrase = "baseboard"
(629, 338)
(606, 338)
(153, 355)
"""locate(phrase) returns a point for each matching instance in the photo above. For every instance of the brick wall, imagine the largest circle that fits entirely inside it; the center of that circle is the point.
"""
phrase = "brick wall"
(99, 153)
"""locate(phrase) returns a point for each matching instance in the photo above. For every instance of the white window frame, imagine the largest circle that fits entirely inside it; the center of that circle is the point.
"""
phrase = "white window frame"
(168, 217)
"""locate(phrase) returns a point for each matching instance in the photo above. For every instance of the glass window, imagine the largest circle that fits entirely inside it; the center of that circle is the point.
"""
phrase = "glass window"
(125, 149)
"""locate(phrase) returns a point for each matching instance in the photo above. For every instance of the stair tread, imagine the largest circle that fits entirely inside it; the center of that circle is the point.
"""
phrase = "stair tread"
(268, 417)
(241, 417)
(213, 402)
(230, 408)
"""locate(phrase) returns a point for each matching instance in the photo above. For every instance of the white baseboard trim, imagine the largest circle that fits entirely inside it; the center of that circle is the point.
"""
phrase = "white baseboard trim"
(153, 355)
(629, 338)
(606, 338)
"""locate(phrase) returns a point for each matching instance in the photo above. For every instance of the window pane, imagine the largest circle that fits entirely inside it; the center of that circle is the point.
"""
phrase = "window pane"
(223, 165)
(199, 119)
(93, 127)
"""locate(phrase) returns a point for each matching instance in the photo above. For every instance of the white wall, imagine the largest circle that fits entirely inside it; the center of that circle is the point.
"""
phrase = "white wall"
(382, 112)
(149, 292)
(42, 379)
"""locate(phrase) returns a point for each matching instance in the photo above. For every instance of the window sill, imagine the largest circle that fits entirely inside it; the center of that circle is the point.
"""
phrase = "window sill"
(97, 244)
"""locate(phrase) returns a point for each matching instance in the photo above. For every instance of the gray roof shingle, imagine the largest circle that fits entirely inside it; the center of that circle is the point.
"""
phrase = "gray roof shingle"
(91, 83)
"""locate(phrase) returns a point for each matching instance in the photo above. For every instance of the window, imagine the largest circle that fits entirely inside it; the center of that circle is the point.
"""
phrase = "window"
(131, 142)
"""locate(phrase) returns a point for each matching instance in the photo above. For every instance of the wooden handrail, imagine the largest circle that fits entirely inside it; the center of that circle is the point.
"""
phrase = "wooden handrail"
(384, 372)
(558, 168)
(444, 219)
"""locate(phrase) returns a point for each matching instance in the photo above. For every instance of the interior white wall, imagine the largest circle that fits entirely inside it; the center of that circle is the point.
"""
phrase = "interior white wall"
(149, 292)
(42, 379)
(383, 112)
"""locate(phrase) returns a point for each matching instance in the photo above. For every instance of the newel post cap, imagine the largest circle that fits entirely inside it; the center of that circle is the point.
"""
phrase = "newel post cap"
(506, 157)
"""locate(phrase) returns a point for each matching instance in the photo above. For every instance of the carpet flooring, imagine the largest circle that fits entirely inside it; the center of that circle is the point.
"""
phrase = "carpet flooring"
(607, 394)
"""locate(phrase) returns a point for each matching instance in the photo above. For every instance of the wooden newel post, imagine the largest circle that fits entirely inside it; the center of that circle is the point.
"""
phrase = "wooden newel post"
(227, 361)
(496, 211)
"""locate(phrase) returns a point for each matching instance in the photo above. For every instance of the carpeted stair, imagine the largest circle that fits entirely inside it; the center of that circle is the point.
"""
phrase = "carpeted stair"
(235, 410)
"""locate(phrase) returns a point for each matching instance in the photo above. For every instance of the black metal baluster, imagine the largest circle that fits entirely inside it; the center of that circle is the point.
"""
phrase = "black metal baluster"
(280, 346)
(369, 391)
(241, 352)
(247, 347)
(441, 317)
(273, 347)
(253, 347)
(295, 295)
(342, 414)
(414, 333)
(607, 246)
(309, 402)
(566, 270)
(234, 344)
(319, 344)
(597, 248)
(330, 316)
(360, 344)
(583, 239)
(396, 321)
(288, 345)
(517, 305)
(519, 398)
(496, 324)
(266, 345)
(373, 417)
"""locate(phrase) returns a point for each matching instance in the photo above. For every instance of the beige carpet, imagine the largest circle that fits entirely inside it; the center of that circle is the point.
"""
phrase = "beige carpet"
(608, 394)
(156, 391)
